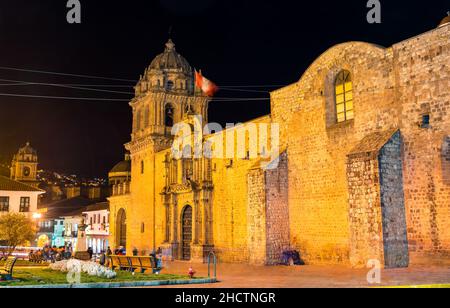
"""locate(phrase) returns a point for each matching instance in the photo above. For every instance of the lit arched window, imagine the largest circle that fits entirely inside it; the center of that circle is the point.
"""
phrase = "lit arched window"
(169, 115)
(344, 97)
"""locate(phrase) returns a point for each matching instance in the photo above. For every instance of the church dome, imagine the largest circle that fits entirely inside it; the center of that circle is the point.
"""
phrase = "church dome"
(27, 150)
(120, 174)
(123, 166)
(445, 21)
(26, 153)
(170, 59)
(168, 72)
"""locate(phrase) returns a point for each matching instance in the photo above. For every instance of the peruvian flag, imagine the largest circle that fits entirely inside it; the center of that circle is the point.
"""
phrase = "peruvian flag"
(207, 86)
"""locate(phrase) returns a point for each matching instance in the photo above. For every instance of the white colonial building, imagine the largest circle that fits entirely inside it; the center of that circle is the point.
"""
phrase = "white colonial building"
(17, 197)
(96, 217)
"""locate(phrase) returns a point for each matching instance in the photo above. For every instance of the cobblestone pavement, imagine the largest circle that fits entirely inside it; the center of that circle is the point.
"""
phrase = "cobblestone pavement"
(246, 276)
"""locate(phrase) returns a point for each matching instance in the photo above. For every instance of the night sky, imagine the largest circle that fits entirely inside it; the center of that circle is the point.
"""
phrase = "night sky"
(236, 43)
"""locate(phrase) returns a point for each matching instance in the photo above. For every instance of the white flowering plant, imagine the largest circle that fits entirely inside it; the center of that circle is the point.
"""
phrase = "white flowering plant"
(89, 268)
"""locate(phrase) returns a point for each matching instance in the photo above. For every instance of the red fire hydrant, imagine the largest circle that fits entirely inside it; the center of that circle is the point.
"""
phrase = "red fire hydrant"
(191, 272)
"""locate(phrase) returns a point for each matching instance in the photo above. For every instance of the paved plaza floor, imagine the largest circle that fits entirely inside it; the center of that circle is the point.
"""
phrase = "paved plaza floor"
(246, 276)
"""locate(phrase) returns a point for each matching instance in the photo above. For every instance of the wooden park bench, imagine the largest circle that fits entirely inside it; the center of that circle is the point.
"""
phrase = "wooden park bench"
(7, 271)
(145, 263)
(35, 258)
(135, 263)
(113, 262)
(120, 262)
(131, 264)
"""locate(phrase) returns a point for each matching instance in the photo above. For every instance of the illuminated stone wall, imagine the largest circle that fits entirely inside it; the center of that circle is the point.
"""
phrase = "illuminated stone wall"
(268, 214)
(423, 82)
(393, 88)
(277, 211)
(364, 209)
(257, 217)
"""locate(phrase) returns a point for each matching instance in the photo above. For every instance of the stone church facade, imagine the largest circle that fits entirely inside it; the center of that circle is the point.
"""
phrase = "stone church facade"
(363, 170)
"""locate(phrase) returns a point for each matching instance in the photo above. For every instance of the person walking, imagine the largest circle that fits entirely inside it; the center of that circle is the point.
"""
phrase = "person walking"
(102, 259)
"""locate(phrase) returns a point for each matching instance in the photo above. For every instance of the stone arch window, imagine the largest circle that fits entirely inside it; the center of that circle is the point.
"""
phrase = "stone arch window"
(142, 167)
(344, 97)
(169, 85)
(26, 171)
(169, 115)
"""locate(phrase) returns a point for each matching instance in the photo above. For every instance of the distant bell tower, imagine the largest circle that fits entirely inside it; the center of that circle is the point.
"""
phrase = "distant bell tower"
(24, 166)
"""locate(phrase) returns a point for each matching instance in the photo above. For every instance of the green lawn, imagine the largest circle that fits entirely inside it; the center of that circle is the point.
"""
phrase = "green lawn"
(21, 263)
(37, 276)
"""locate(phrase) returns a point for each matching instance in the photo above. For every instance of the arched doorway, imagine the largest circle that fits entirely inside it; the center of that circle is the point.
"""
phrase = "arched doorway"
(186, 233)
(121, 230)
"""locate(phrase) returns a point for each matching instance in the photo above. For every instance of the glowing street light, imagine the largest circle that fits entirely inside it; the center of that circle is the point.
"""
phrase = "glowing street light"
(37, 216)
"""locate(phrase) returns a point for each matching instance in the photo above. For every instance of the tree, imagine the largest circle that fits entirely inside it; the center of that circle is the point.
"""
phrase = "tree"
(15, 230)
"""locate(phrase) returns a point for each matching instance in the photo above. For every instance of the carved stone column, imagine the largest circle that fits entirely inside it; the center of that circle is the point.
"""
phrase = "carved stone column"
(196, 226)
(174, 237)
(167, 222)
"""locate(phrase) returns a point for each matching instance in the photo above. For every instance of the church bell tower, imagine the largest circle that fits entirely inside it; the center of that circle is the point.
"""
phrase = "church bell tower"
(164, 96)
